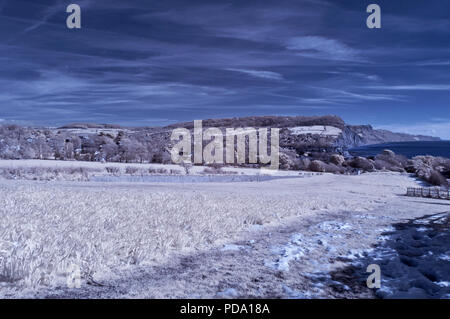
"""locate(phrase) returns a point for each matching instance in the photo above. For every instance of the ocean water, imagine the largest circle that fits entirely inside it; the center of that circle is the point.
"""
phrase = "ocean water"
(408, 149)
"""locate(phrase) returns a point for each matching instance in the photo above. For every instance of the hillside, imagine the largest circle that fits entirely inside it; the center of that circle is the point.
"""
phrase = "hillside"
(113, 143)
(358, 135)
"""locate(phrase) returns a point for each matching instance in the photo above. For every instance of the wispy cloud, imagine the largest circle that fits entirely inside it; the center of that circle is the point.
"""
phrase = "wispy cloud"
(322, 48)
(434, 63)
(413, 87)
(45, 16)
(415, 24)
(59, 7)
(344, 95)
(260, 74)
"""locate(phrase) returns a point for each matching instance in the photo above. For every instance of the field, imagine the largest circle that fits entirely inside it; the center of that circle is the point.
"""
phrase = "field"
(114, 231)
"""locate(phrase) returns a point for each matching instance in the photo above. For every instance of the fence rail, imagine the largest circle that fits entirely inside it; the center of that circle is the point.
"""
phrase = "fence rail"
(428, 192)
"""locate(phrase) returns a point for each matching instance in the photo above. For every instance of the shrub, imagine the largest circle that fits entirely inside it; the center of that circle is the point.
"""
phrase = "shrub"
(216, 165)
(186, 166)
(213, 170)
(131, 170)
(304, 163)
(77, 170)
(161, 171)
(437, 179)
(112, 170)
(385, 165)
(333, 168)
(47, 173)
(388, 153)
(393, 161)
(317, 166)
(361, 163)
(337, 159)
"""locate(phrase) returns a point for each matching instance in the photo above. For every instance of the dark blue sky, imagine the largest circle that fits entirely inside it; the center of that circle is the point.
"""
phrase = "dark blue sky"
(158, 62)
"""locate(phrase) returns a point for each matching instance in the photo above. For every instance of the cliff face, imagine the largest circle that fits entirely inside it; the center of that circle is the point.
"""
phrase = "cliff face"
(358, 135)
(295, 132)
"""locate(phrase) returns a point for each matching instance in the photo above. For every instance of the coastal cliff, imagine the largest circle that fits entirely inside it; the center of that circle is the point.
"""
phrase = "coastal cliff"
(113, 143)
(359, 135)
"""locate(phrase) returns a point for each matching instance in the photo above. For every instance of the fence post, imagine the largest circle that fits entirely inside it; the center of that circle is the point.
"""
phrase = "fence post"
(428, 192)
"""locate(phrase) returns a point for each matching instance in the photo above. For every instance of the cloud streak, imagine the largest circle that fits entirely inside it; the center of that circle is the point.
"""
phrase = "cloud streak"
(48, 13)
(260, 74)
(322, 48)
(413, 87)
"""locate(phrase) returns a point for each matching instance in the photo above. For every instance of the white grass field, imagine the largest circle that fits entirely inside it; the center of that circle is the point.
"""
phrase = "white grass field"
(82, 171)
(105, 228)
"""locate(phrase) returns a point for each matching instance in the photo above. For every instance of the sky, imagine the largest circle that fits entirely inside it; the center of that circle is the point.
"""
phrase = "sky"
(149, 63)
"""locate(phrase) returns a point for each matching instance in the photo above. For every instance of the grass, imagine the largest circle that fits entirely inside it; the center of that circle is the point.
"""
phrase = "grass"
(77, 173)
(45, 229)
(48, 174)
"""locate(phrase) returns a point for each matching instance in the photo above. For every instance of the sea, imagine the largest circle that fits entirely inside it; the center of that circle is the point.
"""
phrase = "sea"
(408, 149)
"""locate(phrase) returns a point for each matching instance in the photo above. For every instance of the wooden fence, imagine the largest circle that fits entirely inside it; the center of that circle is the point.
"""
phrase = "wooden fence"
(429, 192)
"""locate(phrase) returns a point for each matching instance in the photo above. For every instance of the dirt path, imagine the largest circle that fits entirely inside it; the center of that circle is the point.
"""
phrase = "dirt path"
(302, 257)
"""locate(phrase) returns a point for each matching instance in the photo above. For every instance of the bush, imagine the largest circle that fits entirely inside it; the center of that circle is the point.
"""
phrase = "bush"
(361, 163)
(385, 165)
(437, 179)
(48, 173)
(213, 170)
(388, 153)
(303, 163)
(317, 166)
(333, 168)
(158, 171)
(395, 161)
(337, 159)
(131, 170)
(215, 165)
(112, 170)
(431, 176)
(161, 171)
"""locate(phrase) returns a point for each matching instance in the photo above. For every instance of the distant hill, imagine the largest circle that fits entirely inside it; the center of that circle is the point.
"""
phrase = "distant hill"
(268, 121)
(358, 135)
(88, 125)
(299, 135)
